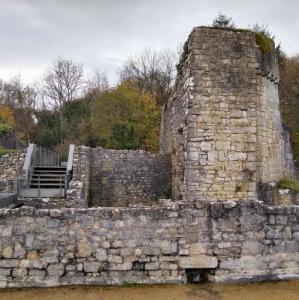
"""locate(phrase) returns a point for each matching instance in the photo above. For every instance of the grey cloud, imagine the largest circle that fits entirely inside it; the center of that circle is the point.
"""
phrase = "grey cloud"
(102, 34)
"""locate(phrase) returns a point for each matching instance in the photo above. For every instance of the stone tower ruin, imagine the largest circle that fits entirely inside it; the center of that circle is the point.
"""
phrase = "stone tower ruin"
(222, 126)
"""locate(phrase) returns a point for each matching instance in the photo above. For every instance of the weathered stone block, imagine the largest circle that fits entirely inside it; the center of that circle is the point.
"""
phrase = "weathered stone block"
(8, 263)
(19, 273)
(115, 259)
(151, 266)
(37, 273)
(168, 247)
(91, 267)
(19, 251)
(120, 267)
(198, 262)
(101, 254)
(55, 270)
(168, 266)
(251, 247)
(7, 252)
(5, 271)
(84, 249)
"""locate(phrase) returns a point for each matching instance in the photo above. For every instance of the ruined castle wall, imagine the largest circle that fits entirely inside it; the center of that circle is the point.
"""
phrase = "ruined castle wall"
(174, 129)
(232, 136)
(230, 241)
(289, 162)
(275, 160)
(123, 177)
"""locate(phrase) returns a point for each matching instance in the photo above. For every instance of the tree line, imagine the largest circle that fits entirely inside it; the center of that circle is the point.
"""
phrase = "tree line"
(67, 106)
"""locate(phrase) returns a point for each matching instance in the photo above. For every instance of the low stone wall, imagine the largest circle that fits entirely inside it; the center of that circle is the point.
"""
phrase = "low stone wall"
(44, 203)
(123, 177)
(7, 199)
(229, 241)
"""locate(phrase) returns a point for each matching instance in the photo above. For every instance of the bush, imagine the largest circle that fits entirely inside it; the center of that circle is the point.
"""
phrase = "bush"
(289, 184)
(4, 151)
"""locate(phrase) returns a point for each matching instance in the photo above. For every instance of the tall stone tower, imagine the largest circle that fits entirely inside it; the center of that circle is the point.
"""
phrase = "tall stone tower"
(222, 126)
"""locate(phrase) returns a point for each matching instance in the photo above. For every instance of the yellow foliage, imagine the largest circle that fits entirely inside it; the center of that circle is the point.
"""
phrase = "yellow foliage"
(6, 116)
(126, 118)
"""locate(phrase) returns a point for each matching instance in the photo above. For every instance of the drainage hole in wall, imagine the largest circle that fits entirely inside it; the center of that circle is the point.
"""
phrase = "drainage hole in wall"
(198, 275)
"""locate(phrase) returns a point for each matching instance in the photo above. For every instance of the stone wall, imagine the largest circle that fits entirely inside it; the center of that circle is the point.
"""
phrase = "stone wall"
(77, 193)
(222, 126)
(289, 165)
(174, 133)
(11, 165)
(124, 177)
(227, 241)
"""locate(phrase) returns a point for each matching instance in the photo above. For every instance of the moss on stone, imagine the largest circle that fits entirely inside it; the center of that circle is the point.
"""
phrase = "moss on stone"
(261, 39)
(264, 42)
(289, 184)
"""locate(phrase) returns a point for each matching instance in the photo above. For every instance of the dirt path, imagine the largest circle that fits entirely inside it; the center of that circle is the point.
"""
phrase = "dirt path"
(261, 291)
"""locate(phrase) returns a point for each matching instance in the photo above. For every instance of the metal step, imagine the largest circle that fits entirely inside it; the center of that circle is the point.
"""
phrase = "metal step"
(50, 184)
(47, 175)
(50, 167)
(42, 193)
(49, 172)
(45, 179)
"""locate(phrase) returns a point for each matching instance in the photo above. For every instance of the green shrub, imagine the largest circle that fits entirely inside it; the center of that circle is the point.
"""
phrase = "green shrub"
(289, 184)
(4, 151)
(4, 128)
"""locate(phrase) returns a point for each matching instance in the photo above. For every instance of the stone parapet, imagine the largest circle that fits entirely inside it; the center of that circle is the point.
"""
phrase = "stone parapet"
(226, 241)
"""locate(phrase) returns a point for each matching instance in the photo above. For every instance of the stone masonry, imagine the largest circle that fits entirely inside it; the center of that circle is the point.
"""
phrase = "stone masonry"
(103, 177)
(77, 193)
(127, 177)
(228, 241)
(222, 126)
(11, 165)
(221, 139)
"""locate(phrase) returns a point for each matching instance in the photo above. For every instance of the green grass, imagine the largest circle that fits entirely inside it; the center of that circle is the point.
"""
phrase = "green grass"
(4, 151)
(289, 184)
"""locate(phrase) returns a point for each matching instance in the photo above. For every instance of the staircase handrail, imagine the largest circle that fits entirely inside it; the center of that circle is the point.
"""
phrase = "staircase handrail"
(70, 158)
(29, 160)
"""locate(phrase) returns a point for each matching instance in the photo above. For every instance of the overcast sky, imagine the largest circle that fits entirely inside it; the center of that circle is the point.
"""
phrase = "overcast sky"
(104, 33)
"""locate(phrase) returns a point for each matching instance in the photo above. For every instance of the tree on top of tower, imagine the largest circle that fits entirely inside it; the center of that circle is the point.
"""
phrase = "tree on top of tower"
(223, 21)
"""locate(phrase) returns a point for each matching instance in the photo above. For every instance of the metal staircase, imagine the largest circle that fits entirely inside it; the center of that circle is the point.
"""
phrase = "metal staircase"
(46, 174)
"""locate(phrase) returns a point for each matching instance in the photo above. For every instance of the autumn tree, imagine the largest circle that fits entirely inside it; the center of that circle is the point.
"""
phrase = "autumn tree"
(62, 84)
(152, 72)
(7, 120)
(125, 118)
(22, 100)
